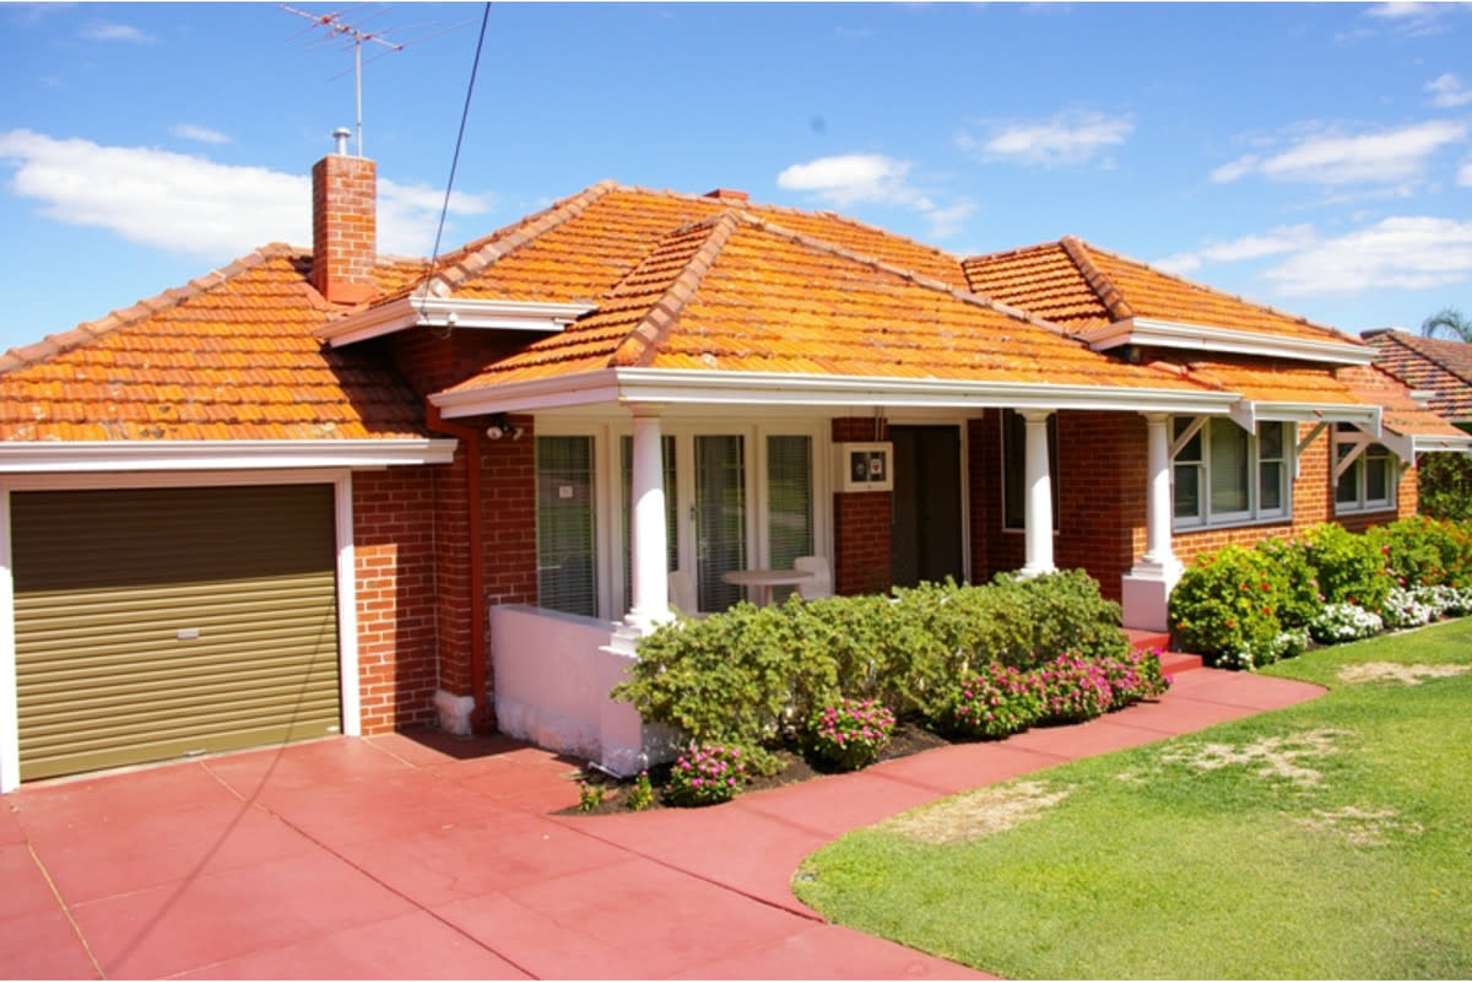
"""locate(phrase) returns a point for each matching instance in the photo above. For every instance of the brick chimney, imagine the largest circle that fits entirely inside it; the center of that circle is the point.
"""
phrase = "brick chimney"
(344, 218)
(729, 195)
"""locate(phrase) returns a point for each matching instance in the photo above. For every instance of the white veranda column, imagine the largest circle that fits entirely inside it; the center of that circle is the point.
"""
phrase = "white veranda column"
(1146, 588)
(1039, 499)
(650, 573)
(1158, 551)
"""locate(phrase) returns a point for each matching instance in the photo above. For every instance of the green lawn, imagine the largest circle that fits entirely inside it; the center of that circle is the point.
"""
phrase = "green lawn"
(1153, 866)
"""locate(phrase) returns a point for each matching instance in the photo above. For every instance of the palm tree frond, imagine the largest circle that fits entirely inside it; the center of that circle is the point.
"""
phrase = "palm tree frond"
(1448, 321)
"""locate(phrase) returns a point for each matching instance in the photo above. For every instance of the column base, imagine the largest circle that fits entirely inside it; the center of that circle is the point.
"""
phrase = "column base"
(454, 712)
(1028, 572)
(1146, 596)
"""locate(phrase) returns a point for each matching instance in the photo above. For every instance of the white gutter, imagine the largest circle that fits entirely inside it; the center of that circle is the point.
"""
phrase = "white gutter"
(681, 386)
(418, 311)
(1200, 337)
(1248, 413)
(174, 455)
(1407, 446)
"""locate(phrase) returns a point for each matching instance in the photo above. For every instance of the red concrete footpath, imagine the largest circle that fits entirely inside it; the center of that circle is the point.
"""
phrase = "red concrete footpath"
(403, 856)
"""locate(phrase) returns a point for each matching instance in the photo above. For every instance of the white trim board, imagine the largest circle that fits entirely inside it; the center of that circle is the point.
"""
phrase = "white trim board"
(347, 610)
(715, 388)
(1148, 332)
(417, 310)
(58, 456)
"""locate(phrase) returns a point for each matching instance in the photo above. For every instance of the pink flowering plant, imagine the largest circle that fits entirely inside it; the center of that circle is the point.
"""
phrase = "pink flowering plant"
(995, 702)
(706, 774)
(850, 733)
(1074, 689)
(1134, 676)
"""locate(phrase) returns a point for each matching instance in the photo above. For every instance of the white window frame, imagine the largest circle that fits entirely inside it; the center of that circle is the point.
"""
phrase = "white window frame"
(1363, 505)
(1056, 456)
(1255, 514)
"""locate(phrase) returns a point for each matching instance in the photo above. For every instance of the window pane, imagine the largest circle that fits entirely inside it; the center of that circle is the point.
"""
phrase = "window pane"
(671, 510)
(1270, 441)
(1014, 469)
(1229, 464)
(720, 518)
(566, 577)
(1347, 491)
(1187, 491)
(1377, 477)
(1192, 450)
(1270, 495)
(789, 499)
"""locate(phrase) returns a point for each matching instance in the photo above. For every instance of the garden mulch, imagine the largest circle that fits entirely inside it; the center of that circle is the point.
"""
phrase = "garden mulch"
(418, 855)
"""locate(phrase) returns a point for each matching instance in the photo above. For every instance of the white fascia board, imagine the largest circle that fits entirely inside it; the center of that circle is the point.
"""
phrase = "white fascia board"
(1430, 444)
(1200, 337)
(714, 388)
(419, 311)
(1366, 417)
(172, 455)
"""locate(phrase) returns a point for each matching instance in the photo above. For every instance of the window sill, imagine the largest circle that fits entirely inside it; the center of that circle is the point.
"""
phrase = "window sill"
(1235, 524)
(1367, 510)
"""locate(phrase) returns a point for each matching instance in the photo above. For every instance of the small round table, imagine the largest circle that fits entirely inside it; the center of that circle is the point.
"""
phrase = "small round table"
(764, 580)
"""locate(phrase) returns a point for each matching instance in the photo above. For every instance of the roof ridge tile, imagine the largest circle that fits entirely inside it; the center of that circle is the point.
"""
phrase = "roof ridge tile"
(60, 343)
(1103, 287)
(641, 344)
(982, 257)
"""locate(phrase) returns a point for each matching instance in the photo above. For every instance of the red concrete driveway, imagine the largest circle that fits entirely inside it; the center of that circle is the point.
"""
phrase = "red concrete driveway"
(417, 856)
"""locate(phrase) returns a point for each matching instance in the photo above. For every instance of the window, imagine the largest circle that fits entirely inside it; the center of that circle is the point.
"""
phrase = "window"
(566, 564)
(789, 502)
(1368, 484)
(1225, 475)
(720, 519)
(1014, 469)
(671, 510)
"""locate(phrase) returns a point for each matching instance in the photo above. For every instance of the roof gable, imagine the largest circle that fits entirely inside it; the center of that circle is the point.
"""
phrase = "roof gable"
(1443, 368)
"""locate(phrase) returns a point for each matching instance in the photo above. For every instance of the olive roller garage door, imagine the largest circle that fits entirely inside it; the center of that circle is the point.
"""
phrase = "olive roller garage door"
(156, 623)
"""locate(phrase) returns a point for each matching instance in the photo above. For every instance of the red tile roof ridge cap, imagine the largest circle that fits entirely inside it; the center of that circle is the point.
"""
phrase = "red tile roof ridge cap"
(1299, 318)
(751, 206)
(1103, 287)
(640, 345)
(1405, 339)
(498, 245)
(983, 257)
(919, 279)
(64, 341)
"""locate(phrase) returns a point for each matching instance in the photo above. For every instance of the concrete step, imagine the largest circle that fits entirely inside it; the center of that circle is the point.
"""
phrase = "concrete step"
(1147, 640)
(1176, 662)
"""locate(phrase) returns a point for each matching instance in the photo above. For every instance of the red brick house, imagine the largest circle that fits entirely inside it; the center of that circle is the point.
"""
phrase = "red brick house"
(325, 491)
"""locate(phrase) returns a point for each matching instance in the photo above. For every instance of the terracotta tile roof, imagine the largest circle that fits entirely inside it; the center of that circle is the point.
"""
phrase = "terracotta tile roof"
(580, 247)
(1430, 364)
(1081, 286)
(230, 356)
(736, 292)
(1401, 413)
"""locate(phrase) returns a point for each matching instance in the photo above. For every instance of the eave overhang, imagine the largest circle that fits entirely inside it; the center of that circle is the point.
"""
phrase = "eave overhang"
(698, 387)
(1247, 413)
(53, 456)
(421, 311)
(1148, 332)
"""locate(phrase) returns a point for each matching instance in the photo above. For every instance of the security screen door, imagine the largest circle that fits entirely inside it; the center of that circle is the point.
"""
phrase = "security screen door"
(720, 518)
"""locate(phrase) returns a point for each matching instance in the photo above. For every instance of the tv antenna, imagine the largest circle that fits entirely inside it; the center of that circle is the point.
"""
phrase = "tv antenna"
(335, 27)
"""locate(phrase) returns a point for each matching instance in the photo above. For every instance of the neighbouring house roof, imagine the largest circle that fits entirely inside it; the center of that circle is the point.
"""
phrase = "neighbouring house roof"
(231, 356)
(1083, 287)
(738, 292)
(1443, 368)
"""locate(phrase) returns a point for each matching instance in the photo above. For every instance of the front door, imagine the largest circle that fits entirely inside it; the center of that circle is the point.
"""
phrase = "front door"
(925, 539)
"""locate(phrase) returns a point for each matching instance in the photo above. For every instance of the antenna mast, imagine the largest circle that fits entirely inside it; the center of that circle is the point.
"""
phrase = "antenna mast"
(336, 27)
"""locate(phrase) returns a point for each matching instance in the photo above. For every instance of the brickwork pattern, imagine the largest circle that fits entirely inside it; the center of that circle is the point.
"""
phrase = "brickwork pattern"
(344, 234)
(862, 523)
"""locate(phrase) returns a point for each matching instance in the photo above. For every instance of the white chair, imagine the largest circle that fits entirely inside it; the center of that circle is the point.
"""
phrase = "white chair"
(819, 583)
(682, 592)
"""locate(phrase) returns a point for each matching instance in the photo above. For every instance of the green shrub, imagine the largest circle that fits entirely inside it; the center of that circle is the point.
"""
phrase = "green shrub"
(752, 675)
(994, 703)
(1444, 486)
(1422, 551)
(1074, 689)
(1225, 607)
(1350, 568)
(641, 795)
(1299, 601)
(850, 734)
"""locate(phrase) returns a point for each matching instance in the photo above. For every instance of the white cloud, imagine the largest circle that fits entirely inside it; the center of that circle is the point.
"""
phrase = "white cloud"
(1412, 253)
(1464, 174)
(870, 178)
(117, 32)
(1275, 242)
(1065, 139)
(1405, 18)
(1384, 157)
(185, 203)
(1448, 92)
(202, 134)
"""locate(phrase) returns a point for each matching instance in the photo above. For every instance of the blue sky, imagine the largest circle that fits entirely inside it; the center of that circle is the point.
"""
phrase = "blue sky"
(1316, 157)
